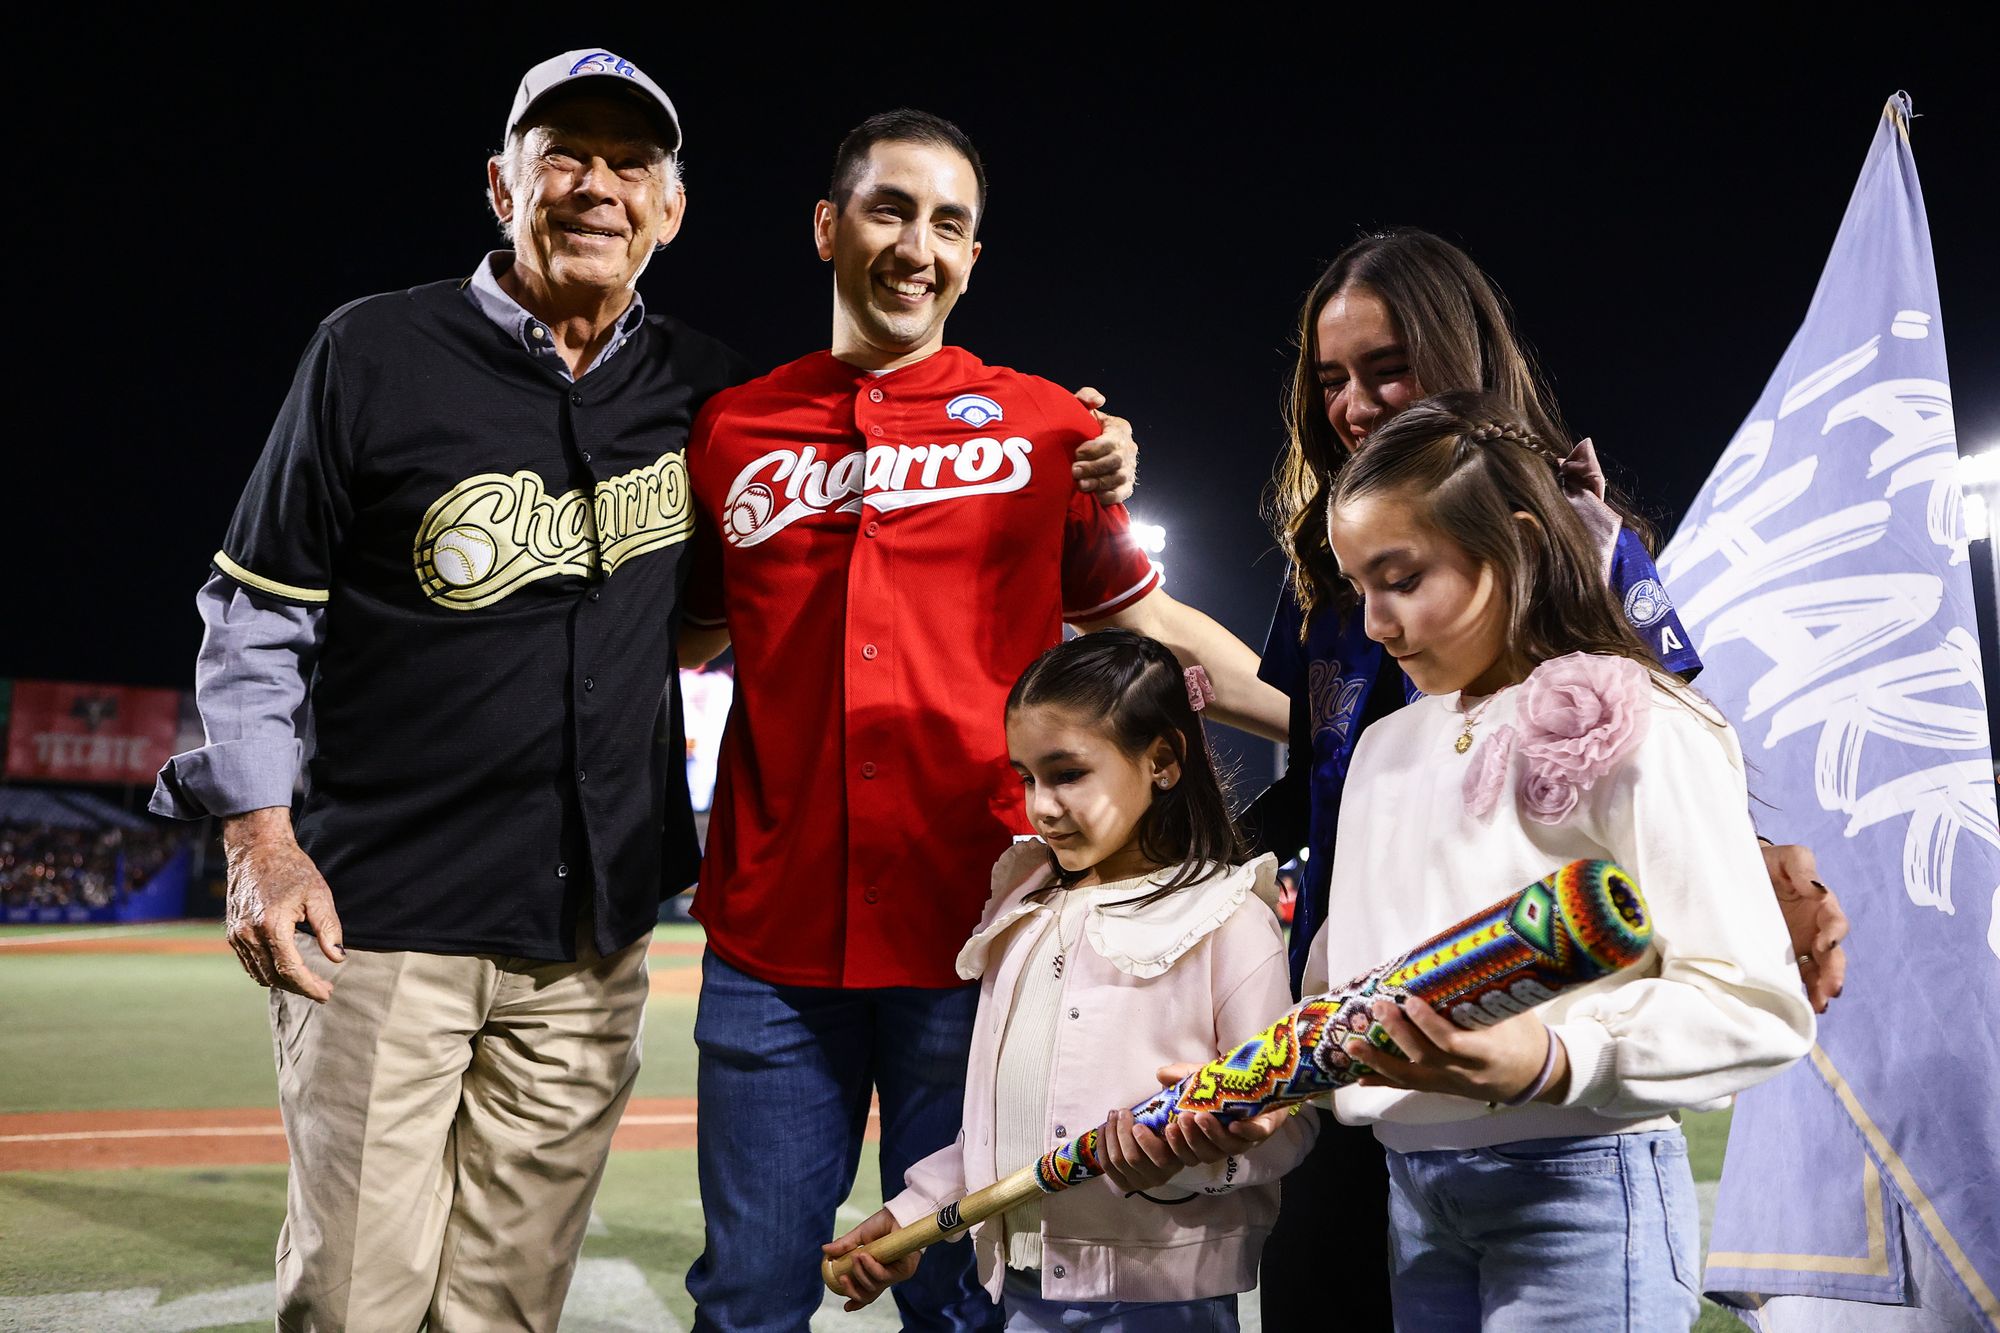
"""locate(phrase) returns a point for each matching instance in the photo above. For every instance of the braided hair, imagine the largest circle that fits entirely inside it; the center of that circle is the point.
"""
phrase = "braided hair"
(1472, 466)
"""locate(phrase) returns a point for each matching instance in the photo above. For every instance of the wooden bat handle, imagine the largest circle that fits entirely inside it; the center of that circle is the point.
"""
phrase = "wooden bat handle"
(950, 1221)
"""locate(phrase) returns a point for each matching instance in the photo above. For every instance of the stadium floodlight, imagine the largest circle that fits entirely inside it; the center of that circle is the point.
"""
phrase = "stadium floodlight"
(1978, 517)
(1149, 537)
(1979, 486)
(1980, 469)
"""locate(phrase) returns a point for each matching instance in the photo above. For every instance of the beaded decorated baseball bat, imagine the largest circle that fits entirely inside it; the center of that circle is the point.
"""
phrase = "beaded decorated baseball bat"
(1585, 921)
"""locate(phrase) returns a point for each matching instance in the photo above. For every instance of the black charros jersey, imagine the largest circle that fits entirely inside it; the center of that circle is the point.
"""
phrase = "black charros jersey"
(499, 553)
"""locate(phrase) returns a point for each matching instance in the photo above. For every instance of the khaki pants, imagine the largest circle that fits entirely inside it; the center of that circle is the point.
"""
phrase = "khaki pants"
(448, 1117)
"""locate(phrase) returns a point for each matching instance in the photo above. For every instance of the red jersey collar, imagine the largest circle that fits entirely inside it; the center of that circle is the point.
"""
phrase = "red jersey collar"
(948, 365)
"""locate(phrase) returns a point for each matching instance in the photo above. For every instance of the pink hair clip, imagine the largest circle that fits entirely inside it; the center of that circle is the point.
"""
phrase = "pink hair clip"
(1200, 692)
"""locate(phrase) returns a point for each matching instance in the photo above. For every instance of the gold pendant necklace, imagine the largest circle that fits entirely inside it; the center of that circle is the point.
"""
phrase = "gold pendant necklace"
(1472, 715)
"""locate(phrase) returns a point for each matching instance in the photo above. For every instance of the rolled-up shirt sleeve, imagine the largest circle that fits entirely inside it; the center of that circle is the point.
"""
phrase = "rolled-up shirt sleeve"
(251, 676)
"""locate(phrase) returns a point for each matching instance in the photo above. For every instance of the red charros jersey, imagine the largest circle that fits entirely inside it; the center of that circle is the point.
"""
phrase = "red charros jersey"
(889, 552)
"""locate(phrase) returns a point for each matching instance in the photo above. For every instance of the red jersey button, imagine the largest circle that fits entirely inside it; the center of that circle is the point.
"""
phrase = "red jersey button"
(872, 529)
(868, 651)
(874, 430)
(874, 395)
(868, 770)
(868, 896)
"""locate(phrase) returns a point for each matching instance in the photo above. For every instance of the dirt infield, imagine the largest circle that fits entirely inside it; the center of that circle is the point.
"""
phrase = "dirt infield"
(244, 1136)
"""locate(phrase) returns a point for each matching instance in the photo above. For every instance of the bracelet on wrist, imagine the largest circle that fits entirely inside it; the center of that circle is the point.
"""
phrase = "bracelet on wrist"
(1535, 1089)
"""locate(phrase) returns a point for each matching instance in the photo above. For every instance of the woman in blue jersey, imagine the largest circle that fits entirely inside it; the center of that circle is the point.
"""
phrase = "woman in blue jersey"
(1398, 316)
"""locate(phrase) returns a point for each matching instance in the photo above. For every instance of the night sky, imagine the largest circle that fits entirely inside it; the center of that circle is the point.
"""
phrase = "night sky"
(1657, 207)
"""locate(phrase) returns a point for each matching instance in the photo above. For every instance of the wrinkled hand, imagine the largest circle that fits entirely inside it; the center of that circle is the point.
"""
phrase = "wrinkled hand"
(1814, 920)
(1581, 471)
(1108, 466)
(1492, 1064)
(273, 885)
(870, 1277)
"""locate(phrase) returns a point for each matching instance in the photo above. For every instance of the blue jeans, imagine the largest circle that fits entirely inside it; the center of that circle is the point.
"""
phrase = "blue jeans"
(783, 1083)
(1028, 1312)
(1584, 1235)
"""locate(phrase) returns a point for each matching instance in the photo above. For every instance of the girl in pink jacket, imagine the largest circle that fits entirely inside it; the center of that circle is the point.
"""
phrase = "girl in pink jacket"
(1126, 939)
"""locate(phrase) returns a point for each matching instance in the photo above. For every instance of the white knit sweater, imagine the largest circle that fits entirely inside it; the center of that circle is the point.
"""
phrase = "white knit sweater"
(1714, 1007)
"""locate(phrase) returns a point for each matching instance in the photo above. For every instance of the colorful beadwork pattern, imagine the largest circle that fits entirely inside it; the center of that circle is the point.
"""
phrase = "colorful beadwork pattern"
(1585, 921)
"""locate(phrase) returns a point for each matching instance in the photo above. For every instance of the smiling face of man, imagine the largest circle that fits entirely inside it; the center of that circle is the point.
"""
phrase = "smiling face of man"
(902, 248)
(586, 195)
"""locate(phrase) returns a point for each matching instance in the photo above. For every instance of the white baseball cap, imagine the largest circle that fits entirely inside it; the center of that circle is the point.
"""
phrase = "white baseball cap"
(570, 67)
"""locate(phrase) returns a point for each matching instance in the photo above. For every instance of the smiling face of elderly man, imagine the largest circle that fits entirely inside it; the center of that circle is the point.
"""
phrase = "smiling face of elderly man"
(586, 191)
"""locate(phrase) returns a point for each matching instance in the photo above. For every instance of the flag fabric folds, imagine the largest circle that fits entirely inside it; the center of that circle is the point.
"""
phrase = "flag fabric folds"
(1823, 572)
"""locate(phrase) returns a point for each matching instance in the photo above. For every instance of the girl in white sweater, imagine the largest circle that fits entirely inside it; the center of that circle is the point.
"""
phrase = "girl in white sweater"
(1538, 1178)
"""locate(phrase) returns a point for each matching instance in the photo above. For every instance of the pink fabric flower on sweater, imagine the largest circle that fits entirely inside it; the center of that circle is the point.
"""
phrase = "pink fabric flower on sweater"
(1488, 773)
(1579, 716)
(1546, 795)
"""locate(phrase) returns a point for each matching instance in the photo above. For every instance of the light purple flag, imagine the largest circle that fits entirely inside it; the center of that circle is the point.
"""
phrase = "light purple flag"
(1823, 572)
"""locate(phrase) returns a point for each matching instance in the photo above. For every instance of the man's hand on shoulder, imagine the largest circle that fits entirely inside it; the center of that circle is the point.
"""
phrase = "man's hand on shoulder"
(274, 885)
(1108, 466)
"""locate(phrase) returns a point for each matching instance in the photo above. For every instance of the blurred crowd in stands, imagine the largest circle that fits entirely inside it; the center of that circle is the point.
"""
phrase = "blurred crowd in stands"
(45, 866)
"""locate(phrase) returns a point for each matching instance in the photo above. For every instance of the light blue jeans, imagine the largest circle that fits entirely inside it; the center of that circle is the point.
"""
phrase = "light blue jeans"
(1028, 1312)
(1594, 1235)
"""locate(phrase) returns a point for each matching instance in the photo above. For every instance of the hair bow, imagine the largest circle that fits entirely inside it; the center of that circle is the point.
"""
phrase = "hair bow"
(1201, 693)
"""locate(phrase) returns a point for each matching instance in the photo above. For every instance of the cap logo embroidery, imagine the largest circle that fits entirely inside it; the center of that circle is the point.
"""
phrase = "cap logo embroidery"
(602, 62)
(974, 409)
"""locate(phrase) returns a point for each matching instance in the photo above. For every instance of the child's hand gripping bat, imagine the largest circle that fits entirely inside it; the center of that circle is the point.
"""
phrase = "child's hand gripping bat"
(1581, 923)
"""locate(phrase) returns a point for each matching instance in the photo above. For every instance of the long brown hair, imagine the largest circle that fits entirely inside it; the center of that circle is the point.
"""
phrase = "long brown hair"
(1459, 332)
(1473, 464)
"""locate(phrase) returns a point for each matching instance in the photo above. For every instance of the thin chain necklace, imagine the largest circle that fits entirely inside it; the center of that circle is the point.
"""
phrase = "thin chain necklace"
(1063, 945)
(1472, 716)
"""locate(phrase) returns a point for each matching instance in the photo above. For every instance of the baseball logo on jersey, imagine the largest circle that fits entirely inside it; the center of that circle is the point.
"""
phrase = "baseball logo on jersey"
(492, 533)
(1646, 603)
(974, 409)
(786, 485)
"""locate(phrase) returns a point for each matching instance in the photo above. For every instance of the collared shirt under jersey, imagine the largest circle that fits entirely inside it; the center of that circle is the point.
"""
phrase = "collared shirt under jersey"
(487, 650)
(257, 653)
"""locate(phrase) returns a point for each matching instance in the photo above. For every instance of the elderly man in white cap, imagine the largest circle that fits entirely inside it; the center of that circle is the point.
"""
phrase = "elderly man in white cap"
(452, 580)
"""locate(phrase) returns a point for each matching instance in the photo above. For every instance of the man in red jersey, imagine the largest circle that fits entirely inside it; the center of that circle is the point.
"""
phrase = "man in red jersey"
(888, 534)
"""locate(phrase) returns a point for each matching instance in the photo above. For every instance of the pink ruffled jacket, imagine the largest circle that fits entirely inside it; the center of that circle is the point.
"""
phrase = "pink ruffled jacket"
(1187, 979)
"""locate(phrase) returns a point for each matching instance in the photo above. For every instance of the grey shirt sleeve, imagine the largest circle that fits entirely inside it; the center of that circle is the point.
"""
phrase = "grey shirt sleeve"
(250, 682)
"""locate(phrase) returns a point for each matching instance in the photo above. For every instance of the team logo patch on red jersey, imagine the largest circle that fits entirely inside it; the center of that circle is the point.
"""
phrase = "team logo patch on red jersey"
(786, 485)
(974, 409)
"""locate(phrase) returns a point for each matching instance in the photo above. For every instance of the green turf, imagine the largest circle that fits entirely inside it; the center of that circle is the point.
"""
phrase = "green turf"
(88, 1031)
(179, 1229)
(187, 930)
(107, 1031)
(116, 1031)
(186, 1231)
(1707, 1132)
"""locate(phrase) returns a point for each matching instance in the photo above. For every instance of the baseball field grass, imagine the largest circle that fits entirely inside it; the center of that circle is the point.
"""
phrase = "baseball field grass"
(142, 1169)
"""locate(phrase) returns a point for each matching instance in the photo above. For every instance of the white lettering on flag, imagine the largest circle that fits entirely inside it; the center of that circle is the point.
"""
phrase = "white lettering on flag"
(1832, 629)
